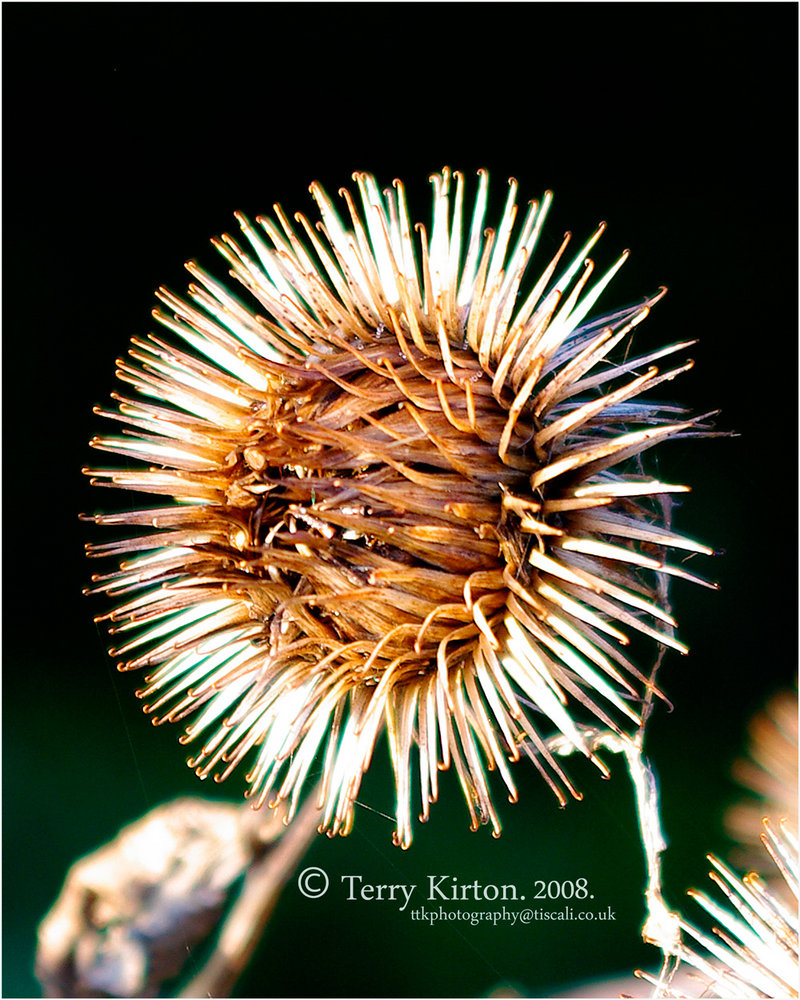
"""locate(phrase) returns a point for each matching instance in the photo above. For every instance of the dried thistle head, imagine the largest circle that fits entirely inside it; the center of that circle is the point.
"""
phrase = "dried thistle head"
(404, 494)
(770, 773)
(753, 950)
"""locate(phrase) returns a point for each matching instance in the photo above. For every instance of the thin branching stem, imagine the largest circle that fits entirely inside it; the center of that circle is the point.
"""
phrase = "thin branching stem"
(248, 917)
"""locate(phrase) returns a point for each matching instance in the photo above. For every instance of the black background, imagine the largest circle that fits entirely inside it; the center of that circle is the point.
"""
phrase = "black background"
(132, 132)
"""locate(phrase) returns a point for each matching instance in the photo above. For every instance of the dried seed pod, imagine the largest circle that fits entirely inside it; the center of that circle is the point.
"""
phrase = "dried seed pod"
(130, 912)
(408, 496)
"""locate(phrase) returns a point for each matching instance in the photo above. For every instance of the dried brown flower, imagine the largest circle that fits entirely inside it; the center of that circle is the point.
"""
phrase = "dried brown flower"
(770, 773)
(753, 949)
(408, 496)
(129, 912)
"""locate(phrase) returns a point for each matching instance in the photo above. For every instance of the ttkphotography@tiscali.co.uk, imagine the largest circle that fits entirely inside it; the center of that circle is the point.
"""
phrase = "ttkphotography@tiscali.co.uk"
(507, 915)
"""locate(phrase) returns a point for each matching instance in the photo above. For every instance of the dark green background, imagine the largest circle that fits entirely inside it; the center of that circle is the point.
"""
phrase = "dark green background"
(132, 132)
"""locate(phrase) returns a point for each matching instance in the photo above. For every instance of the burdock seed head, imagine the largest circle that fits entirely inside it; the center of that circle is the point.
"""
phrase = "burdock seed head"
(403, 494)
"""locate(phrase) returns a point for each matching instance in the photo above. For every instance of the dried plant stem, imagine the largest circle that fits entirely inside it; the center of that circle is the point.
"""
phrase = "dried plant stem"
(246, 921)
(661, 927)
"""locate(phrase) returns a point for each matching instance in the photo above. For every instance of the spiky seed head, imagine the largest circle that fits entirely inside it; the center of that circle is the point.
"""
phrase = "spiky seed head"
(752, 951)
(404, 494)
(769, 775)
